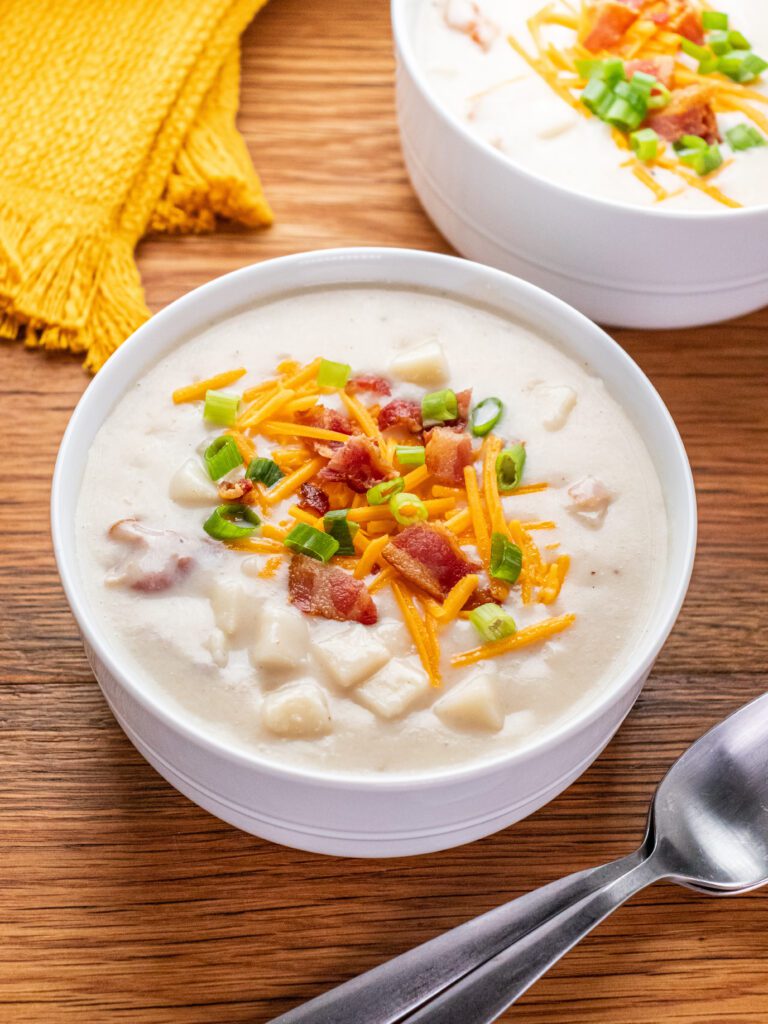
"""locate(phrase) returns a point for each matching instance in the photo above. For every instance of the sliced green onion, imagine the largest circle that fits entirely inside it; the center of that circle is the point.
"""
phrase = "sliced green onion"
(333, 375)
(744, 136)
(703, 161)
(222, 455)
(609, 71)
(645, 144)
(708, 64)
(221, 407)
(410, 455)
(509, 467)
(485, 416)
(306, 540)
(337, 525)
(660, 97)
(694, 50)
(506, 559)
(714, 19)
(741, 65)
(408, 509)
(492, 622)
(720, 42)
(439, 407)
(629, 107)
(264, 471)
(597, 97)
(642, 80)
(691, 142)
(231, 522)
(379, 494)
(738, 41)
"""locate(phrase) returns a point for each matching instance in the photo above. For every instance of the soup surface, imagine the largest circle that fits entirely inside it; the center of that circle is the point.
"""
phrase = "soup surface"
(235, 635)
(515, 73)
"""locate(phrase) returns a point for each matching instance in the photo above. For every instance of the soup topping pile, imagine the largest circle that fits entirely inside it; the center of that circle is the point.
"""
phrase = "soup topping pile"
(360, 491)
(656, 72)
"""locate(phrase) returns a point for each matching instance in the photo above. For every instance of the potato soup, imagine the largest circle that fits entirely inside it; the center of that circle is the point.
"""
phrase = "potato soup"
(659, 103)
(371, 530)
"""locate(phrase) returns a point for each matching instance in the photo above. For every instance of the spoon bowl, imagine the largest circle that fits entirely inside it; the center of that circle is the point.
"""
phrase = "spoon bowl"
(709, 816)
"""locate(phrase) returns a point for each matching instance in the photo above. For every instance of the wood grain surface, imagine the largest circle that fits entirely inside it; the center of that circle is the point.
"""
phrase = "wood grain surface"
(121, 901)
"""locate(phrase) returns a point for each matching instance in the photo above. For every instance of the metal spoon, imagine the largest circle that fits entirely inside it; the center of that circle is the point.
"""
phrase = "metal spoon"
(707, 830)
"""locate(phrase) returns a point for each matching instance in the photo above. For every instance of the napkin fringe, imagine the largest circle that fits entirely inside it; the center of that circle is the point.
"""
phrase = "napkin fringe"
(66, 281)
(213, 176)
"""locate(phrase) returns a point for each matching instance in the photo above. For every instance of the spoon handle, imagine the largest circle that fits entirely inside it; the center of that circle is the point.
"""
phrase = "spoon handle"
(386, 994)
(483, 995)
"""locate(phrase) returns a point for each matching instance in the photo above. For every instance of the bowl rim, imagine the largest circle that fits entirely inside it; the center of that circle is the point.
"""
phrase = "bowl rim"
(113, 378)
(405, 52)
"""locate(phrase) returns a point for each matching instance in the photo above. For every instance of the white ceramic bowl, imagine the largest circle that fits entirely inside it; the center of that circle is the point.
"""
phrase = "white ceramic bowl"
(619, 264)
(361, 815)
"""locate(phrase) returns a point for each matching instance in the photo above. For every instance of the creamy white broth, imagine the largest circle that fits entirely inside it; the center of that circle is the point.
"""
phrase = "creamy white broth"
(171, 639)
(502, 101)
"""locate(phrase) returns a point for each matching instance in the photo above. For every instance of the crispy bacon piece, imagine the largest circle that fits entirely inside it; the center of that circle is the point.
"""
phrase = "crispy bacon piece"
(327, 419)
(358, 464)
(446, 454)
(608, 21)
(688, 23)
(483, 595)
(158, 559)
(464, 401)
(313, 499)
(429, 556)
(368, 382)
(330, 592)
(401, 412)
(661, 67)
(689, 112)
(236, 490)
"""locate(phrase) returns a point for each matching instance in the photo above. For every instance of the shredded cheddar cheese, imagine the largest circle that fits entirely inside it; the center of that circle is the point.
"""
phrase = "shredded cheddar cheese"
(416, 628)
(358, 412)
(479, 525)
(370, 556)
(196, 392)
(299, 430)
(456, 599)
(291, 483)
(523, 638)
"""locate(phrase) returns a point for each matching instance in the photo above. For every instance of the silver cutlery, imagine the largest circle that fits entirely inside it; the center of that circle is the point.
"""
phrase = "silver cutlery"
(707, 830)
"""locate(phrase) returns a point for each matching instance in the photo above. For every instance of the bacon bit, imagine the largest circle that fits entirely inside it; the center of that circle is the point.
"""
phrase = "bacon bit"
(463, 401)
(688, 23)
(330, 592)
(159, 559)
(609, 20)
(323, 418)
(430, 557)
(446, 454)
(358, 464)
(313, 499)
(466, 16)
(689, 112)
(662, 68)
(401, 412)
(367, 382)
(483, 595)
(235, 490)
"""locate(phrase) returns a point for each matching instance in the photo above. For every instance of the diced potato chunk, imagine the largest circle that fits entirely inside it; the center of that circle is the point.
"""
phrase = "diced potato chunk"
(232, 606)
(394, 689)
(472, 705)
(298, 710)
(557, 402)
(219, 648)
(351, 656)
(426, 364)
(191, 485)
(282, 638)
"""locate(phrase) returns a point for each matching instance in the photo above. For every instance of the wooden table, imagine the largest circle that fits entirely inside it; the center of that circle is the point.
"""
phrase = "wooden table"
(120, 900)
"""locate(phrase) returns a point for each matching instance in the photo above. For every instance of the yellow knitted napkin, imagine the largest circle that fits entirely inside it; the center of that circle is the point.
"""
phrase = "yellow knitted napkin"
(117, 117)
